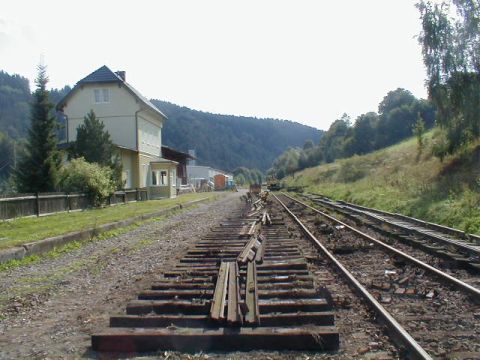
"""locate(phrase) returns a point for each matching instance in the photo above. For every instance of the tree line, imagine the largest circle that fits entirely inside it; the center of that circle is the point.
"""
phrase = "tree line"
(450, 40)
(221, 141)
(399, 115)
(244, 176)
(228, 142)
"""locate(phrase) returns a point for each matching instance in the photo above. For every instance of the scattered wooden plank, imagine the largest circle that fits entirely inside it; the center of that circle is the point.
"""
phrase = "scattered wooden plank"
(233, 311)
(244, 231)
(251, 295)
(248, 253)
(264, 218)
(269, 220)
(261, 250)
(257, 202)
(253, 228)
(253, 213)
(219, 297)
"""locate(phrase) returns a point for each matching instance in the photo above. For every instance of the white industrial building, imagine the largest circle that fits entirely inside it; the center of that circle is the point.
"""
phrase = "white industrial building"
(196, 174)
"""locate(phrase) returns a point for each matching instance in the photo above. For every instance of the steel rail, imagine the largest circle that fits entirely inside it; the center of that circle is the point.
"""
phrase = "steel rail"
(473, 291)
(399, 334)
(429, 225)
(381, 216)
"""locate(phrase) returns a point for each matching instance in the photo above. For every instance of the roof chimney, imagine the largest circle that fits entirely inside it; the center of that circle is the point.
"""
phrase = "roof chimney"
(122, 75)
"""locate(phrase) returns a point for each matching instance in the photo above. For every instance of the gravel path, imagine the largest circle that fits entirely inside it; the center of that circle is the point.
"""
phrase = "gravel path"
(50, 309)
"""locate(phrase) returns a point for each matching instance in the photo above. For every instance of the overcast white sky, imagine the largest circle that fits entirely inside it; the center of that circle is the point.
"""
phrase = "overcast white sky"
(307, 61)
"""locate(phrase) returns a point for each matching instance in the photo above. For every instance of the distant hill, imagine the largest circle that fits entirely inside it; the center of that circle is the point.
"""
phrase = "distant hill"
(221, 141)
(227, 141)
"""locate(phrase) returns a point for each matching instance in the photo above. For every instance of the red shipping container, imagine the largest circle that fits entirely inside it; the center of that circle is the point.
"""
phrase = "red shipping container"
(220, 181)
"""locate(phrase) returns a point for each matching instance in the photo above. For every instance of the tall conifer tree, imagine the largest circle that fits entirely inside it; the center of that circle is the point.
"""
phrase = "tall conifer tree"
(93, 141)
(38, 170)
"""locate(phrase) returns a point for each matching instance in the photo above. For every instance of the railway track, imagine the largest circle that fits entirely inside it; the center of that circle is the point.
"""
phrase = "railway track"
(245, 286)
(448, 250)
(459, 249)
(438, 310)
(266, 279)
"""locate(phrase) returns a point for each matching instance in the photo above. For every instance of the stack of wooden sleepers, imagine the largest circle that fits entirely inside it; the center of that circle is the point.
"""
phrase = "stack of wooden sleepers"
(244, 286)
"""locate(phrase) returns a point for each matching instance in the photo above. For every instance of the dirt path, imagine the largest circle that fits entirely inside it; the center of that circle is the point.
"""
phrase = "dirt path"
(51, 308)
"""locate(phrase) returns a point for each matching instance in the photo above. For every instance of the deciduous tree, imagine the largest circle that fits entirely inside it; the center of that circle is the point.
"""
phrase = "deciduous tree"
(450, 39)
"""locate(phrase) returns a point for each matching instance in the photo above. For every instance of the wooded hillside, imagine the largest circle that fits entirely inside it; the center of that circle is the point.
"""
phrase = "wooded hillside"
(227, 141)
(221, 141)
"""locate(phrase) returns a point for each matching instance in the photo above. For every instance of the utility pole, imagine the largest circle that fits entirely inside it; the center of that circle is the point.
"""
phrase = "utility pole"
(14, 154)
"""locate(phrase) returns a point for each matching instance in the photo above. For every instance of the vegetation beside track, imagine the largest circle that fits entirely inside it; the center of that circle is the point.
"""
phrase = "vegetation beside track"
(30, 229)
(400, 179)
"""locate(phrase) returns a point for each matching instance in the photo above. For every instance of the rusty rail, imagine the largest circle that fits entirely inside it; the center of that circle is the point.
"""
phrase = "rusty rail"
(473, 291)
(415, 226)
(399, 333)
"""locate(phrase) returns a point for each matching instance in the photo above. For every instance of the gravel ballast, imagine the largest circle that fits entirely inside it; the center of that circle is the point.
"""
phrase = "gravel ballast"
(49, 309)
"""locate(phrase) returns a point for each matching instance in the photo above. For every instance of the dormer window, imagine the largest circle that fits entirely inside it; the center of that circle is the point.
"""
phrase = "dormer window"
(101, 96)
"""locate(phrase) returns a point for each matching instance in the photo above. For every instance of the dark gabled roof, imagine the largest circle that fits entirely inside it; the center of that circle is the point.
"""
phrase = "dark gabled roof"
(143, 99)
(101, 75)
(105, 75)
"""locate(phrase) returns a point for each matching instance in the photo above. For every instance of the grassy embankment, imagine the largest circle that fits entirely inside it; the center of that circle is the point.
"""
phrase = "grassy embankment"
(398, 179)
(23, 230)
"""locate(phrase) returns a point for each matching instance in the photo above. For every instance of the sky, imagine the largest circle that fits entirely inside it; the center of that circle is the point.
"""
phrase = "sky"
(301, 60)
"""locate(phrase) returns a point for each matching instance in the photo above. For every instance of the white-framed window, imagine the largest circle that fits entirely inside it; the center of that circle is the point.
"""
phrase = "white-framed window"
(159, 178)
(101, 96)
(163, 178)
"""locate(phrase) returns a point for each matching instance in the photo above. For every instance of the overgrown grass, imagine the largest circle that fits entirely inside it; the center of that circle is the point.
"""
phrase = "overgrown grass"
(23, 230)
(75, 245)
(399, 179)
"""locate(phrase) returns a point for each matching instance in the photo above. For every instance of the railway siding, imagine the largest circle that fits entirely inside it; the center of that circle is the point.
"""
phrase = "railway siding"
(443, 319)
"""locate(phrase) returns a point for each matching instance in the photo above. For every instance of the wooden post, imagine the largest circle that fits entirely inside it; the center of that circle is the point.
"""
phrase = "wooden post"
(37, 204)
